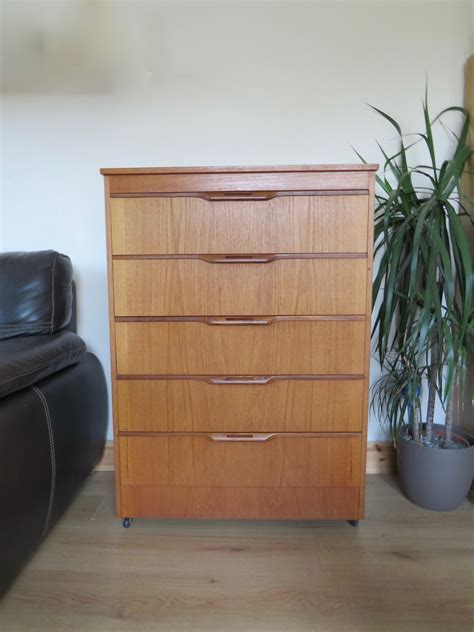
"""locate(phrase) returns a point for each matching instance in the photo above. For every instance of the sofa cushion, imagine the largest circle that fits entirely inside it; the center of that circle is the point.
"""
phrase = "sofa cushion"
(35, 291)
(24, 361)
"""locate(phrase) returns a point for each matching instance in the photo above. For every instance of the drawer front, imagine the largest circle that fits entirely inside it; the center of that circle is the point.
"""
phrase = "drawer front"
(222, 404)
(192, 225)
(237, 183)
(180, 287)
(283, 347)
(227, 461)
(248, 503)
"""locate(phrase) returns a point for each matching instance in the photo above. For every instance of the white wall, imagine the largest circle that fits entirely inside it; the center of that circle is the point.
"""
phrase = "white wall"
(92, 84)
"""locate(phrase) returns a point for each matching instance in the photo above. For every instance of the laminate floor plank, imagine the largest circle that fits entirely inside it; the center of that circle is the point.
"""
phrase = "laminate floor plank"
(403, 569)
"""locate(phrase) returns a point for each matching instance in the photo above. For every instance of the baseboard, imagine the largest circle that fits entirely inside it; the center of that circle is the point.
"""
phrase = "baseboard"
(380, 458)
(107, 464)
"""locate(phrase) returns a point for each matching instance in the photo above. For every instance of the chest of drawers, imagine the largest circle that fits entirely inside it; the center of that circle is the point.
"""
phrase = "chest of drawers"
(240, 326)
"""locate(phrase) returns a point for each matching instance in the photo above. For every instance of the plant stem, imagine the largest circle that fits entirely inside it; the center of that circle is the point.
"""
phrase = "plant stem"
(448, 427)
(432, 390)
(416, 422)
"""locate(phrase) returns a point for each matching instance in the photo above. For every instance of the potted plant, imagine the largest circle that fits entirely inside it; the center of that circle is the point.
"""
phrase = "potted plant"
(423, 307)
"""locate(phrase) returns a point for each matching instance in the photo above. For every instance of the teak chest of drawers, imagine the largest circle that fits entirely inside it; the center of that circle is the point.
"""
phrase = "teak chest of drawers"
(240, 302)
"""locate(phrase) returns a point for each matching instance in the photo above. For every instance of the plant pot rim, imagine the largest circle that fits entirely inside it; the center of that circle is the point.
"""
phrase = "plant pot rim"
(463, 442)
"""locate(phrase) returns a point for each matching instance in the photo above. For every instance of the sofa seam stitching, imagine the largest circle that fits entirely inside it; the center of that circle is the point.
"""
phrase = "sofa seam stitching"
(53, 457)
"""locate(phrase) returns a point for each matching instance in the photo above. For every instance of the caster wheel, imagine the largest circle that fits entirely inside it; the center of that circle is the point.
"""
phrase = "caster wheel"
(353, 523)
(126, 522)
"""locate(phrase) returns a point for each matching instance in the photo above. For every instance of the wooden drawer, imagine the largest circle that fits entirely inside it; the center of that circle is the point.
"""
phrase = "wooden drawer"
(180, 287)
(216, 460)
(285, 346)
(250, 503)
(228, 404)
(241, 182)
(284, 477)
(192, 225)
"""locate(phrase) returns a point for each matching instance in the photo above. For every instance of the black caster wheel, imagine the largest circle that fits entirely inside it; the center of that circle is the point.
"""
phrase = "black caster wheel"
(126, 522)
(353, 523)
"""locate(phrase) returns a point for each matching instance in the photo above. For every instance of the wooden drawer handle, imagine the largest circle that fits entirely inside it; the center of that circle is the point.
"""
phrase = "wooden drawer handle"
(241, 379)
(257, 436)
(229, 320)
(267, 258)
(220, 196)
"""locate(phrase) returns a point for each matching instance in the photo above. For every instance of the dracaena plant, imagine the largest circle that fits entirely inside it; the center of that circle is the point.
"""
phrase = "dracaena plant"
(422, 291)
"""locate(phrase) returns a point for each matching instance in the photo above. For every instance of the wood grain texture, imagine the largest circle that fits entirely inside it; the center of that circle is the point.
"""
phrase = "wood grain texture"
(250, 503)
(380, 458)
(293, 346)
(191, 225)
(238, 169)
(298, 304)
(113, 360)
(463, 414)
(107, 462)
(282, 461)
(468, 175)
(180, 287)
(90, 574)
(233, 181)
(281, 406)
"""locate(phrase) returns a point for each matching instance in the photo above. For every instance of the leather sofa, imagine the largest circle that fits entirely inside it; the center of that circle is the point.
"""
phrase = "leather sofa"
(53, 403)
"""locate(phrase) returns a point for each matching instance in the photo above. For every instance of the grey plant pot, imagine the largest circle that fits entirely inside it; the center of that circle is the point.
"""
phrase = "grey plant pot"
(432, 478)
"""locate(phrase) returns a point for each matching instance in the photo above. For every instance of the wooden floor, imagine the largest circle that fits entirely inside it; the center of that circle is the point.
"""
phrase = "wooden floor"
(402, 569)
